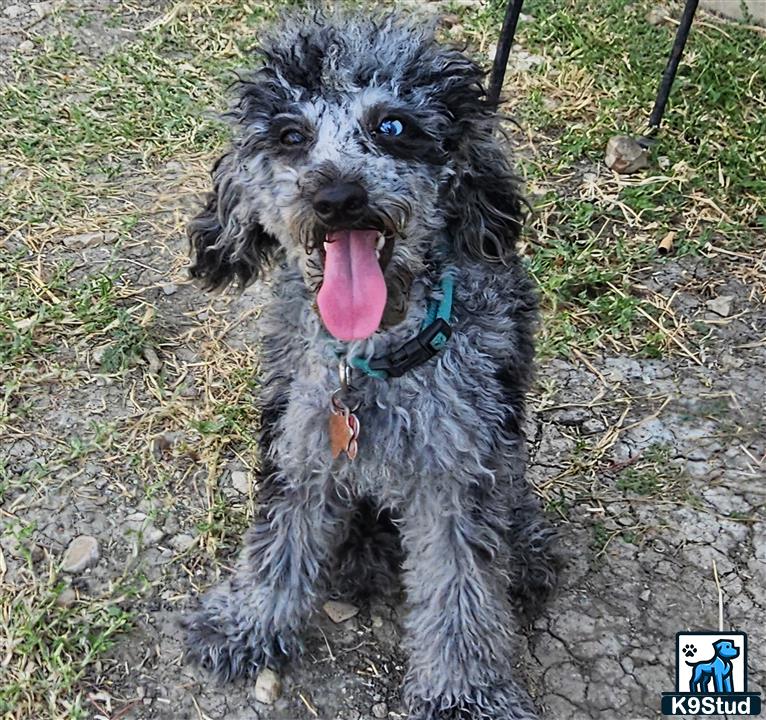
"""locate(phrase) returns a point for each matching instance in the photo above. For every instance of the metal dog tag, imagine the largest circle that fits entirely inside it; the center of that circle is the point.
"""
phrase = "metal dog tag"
(344, 430)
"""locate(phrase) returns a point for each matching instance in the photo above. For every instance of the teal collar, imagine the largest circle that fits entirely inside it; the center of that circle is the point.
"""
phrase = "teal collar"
(435, 330)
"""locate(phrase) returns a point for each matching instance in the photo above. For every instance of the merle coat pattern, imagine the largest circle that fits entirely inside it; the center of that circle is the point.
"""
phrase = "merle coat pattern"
(441, 453)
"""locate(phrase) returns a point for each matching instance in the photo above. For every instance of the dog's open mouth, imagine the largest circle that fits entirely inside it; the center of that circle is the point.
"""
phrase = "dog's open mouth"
(353, 295)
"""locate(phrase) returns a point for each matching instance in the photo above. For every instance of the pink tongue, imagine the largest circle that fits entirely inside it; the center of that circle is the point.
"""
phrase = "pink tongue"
(353, 293)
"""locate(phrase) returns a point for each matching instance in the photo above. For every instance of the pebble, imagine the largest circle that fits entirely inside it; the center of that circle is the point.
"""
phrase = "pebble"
(657, 15)
(240, 481)
(67, 598)
(339, 612)
(138, 522)
(13, 11)
(82, 553)
(89, 239)
(170, 289)
(721, 305)
(268, 687)
(26, 47)
(625, 156)
(525, 61)
(151, 357)
(380, 710)
(43, 9)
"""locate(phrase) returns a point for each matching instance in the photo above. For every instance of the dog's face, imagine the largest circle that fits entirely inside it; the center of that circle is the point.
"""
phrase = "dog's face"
(726, 649)
(358, 145)
(351, 179)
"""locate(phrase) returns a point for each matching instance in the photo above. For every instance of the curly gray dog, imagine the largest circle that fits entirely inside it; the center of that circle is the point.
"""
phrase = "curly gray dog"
(366, 179)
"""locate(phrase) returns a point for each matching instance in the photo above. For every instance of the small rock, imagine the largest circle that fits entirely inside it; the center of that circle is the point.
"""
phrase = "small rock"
(721, 305)
(151, 357)
(663, 161)
(82, 553)
(138, 522)
(380, 710)
(170, 289)
(657, 15)
(339, 612)
(268, 687)
(43, 9)
(13, 11)
(624, 155)
(67, 598)
(182, 542)
(523, 61)
(646, 595)
(377, 621)
(26, 47)
(240, 481)
(89, 239)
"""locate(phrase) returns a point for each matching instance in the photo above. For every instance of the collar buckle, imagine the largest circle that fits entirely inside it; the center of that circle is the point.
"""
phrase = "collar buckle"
(427, 343)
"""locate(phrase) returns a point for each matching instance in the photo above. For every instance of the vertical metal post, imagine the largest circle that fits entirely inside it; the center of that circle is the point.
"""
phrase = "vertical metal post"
(504, 44)
(671, 68)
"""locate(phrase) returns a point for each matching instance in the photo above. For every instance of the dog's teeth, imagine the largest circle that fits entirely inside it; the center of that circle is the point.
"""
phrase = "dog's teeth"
(326, 245)
(377, 254)
(381, 242)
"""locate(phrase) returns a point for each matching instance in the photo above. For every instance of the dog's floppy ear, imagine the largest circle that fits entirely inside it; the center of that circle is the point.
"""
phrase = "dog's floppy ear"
(226, 239)
(485, 209)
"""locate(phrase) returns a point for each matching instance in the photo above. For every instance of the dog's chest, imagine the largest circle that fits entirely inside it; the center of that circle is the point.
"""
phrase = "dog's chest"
(440, 419)
(428, 424)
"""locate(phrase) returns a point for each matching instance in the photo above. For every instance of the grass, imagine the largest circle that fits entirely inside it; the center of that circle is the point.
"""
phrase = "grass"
(39, 314)
(598, 77)
(51, 646)
(89, 138)
(652, 475)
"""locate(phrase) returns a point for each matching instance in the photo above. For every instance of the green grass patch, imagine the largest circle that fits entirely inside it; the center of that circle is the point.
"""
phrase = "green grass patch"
(41, 318)
(50, 647)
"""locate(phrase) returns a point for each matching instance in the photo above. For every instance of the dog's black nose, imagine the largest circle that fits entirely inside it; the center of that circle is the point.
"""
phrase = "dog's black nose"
(340, 203)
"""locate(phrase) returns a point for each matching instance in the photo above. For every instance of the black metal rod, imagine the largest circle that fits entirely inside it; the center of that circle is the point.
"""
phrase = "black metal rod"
(504, 45)
(669, 74)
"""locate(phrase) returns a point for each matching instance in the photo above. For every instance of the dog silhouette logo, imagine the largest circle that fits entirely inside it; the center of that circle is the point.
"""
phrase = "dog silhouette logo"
(711, 676)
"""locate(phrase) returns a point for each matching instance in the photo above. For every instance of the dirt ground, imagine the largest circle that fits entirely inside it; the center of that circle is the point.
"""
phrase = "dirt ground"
(651, 467)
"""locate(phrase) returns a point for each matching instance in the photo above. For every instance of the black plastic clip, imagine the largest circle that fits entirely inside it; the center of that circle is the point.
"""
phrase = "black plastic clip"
(427, 343)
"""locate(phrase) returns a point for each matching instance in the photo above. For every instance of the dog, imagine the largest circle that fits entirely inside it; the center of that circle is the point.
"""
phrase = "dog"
(366, 184)
(719, 669)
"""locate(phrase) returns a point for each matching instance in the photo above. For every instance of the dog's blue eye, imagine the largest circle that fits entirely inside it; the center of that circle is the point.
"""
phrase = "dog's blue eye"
(391, 126)
(292, 138)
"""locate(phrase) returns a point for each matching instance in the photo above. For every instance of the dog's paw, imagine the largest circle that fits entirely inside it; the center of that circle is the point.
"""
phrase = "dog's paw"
(689, 650)
(213, 644)
(507, 702)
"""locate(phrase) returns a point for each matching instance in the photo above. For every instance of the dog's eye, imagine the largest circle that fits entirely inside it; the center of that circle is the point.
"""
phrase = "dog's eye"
(391, 126)
(292, 137)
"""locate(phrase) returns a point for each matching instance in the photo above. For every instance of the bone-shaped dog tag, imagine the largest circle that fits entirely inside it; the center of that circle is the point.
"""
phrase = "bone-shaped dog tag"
(343, 430)
(341, 435)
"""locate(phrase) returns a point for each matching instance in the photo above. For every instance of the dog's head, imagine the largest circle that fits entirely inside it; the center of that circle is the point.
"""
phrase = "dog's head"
(359, 143)
(726, 649)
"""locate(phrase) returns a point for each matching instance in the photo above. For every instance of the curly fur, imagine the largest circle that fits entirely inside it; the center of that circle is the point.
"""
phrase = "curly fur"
(441, 454)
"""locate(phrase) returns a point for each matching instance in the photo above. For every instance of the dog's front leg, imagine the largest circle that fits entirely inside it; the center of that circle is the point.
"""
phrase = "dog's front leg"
(253, 619)
(460, 624)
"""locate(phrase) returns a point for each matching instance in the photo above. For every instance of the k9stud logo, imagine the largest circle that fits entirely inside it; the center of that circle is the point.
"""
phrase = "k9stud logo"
(711, 676)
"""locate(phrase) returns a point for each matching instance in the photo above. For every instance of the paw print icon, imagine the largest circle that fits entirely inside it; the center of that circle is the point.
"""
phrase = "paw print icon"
(689, 650)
